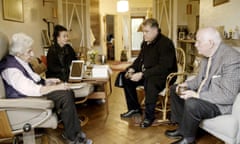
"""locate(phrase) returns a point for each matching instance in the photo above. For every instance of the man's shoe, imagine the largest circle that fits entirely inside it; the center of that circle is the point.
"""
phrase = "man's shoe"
(173, 134)
(146, 123)
(130, 113)
(183, 141)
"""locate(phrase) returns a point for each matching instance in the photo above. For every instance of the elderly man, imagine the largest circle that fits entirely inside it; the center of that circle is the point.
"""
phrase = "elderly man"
(156, 60)
(20, 81)
(213, 90)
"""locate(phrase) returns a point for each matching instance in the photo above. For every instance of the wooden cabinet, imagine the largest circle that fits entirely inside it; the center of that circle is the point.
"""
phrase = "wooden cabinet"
(110, 51)
(190, 51)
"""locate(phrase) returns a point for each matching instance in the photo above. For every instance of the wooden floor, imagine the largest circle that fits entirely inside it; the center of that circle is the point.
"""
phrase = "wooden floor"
(110, 129)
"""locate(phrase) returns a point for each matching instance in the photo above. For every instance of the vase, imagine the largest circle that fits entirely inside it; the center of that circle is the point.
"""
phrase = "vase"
(92, 60)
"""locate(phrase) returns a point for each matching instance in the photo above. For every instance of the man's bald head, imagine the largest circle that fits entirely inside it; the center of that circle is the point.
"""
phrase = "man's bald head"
(208, 40)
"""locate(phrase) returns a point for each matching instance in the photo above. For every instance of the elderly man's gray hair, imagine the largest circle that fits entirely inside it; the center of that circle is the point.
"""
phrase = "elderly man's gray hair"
(211, 33)
(20, 43)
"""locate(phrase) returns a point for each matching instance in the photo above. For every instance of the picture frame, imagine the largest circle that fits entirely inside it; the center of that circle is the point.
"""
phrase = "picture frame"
(46, 42)
(13, 10)
(218, 2)
(181, 35)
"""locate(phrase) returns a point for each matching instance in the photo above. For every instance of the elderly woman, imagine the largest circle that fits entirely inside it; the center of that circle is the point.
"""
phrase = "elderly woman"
(60, 55)
(20, 81)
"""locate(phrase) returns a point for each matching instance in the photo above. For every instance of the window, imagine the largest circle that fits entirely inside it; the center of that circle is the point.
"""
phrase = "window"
(137, 36)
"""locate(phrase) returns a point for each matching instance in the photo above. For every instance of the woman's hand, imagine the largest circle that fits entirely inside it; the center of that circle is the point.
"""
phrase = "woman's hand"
(50, 88)
(52, 81)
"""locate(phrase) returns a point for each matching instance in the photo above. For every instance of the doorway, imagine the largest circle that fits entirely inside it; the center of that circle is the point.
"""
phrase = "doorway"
(110, 36)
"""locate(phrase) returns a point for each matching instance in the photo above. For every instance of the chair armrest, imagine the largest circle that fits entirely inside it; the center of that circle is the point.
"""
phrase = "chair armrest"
(32, 103)
(172, 75)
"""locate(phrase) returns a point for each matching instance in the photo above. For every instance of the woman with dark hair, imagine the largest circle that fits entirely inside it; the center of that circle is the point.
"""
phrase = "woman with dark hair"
(60, 55)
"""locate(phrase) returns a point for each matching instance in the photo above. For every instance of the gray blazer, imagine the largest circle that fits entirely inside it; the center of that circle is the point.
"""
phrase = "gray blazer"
(223, 83)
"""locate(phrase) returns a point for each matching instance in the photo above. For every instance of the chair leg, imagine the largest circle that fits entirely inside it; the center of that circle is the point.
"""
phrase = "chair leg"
(164, 110)
(29, 137)
(15, 140)
(83, 119)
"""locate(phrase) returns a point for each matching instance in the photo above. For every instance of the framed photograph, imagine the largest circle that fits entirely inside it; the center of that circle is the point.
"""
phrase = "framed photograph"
(181, 35)
(45, 39)
(218, 2)
(13, 10)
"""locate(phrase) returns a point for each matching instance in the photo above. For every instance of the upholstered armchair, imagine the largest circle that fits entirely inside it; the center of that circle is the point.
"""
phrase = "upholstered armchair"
(225, 127)
(15, 113)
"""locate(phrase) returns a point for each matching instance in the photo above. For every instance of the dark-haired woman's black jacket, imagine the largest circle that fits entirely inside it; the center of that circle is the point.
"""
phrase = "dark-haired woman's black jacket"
(59, 60)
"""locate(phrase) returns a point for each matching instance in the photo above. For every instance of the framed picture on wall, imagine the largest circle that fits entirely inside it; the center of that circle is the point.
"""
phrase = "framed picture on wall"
(218, 2)
(46, 42)
(181, 35)
(13, 10)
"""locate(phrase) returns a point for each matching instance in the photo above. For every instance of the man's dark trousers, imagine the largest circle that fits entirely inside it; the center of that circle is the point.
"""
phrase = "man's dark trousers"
(189, 113)
(152, 87)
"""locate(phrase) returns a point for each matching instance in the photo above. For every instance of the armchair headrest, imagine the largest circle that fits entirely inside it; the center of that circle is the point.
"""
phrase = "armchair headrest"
(4, 43)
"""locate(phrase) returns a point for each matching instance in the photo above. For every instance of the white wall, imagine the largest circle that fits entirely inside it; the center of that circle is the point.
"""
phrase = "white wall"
(187, 19)
(34, 11)
(181, 11)
(226, 14)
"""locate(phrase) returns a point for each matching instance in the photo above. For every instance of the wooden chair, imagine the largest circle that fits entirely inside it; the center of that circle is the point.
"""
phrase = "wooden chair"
(163, 101)
(163, 105)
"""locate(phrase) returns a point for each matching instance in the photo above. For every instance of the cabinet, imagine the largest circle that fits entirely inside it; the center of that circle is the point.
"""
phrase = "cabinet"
(110, 51)
(190, 51)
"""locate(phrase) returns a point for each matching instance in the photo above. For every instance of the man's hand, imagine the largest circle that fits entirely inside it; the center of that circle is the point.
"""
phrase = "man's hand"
(129, 73)
(137, 76)
(181, 85)
(188, 94)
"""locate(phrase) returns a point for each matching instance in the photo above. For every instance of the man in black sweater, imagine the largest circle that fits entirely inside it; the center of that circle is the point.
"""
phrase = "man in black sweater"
(156, 60)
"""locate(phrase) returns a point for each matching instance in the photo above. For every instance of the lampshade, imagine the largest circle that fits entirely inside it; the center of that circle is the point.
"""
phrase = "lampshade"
(122, 6)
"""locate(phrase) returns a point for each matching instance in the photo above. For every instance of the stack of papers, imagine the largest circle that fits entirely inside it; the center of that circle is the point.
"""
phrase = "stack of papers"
(100, 71)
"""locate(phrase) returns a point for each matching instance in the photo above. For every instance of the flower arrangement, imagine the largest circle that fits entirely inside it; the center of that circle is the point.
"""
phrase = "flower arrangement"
(92, 55)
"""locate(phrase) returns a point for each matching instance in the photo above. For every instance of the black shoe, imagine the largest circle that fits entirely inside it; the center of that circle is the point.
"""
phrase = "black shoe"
(130, 113)
(173, 134)
(183, 141)
(146, 123)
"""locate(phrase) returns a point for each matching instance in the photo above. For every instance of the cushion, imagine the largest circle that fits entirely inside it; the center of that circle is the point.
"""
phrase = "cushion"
(37, 65)
(236, 107)
(218, 127)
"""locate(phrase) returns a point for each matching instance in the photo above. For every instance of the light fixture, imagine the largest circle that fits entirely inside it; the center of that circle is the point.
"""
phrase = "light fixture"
(122, 6)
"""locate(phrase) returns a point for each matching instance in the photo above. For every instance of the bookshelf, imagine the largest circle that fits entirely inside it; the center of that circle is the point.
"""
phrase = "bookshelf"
(190, 51)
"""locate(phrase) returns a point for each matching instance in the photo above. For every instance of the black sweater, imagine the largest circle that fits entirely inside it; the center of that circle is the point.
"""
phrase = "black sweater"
(157, 58)
(59, 60)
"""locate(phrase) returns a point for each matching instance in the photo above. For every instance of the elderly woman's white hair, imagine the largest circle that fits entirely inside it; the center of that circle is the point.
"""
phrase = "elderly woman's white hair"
(20, 43)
